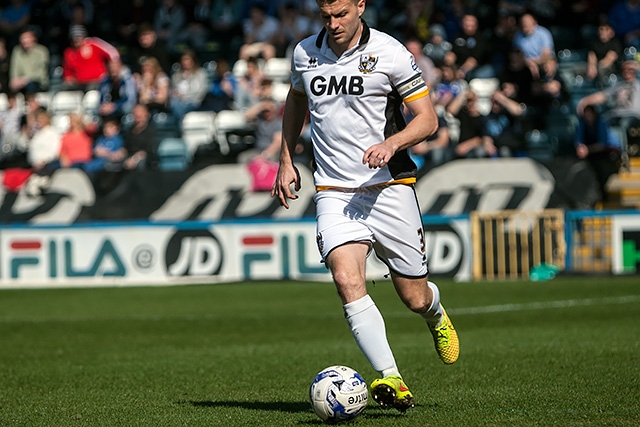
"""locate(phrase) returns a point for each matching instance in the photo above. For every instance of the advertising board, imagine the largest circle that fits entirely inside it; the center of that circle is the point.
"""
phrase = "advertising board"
(195, 252)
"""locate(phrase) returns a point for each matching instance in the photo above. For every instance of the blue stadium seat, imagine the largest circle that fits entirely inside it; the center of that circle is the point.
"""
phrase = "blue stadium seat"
(539, 146)
(563, 37)
(198, 128)
(166, 125)
(210, 67)
(572, 55)
(172, 155)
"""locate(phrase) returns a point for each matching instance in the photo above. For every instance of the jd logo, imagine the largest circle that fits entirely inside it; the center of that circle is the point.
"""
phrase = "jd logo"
(193, 253)
(446, 250)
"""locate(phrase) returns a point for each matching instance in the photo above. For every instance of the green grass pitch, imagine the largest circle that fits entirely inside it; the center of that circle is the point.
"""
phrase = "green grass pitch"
(559, 353)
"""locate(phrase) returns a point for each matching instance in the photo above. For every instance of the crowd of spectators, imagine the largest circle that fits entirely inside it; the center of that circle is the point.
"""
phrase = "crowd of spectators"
(499, 71)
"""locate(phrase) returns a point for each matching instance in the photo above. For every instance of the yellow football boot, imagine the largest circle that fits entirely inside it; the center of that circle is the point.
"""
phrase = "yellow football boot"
(392, 392)
(445, 339)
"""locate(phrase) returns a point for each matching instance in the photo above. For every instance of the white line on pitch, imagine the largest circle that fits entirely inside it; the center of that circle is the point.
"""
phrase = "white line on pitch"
(544, 305)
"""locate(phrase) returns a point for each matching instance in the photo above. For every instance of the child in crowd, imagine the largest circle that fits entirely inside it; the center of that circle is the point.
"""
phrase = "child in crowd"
(108, 151)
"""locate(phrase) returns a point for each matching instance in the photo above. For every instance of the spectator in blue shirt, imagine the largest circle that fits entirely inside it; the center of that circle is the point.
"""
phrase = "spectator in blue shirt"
(118, 93)
(596, 143)
(535, 42)
(108, 151)
(624, 17)
(222, 89)
(14, 17)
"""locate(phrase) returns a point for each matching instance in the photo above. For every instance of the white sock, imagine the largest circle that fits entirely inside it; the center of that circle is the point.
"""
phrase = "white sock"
(368, 329)
(434, 313)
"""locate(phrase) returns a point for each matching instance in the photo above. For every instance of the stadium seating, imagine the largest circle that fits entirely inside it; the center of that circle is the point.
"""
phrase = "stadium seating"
(230, 129)
(4, 102)
(172, 154)
(280, 91)
(564, 37)
(630, 52)
(484, 88)
(61, 122)
(210, 67)
(228, 122)
(90, 101)
(66, 101)
(453, 124)
(44, 99)
(198, 128)
(278, 69)
(539, 146)
(561, 123)
(239, 68)
(166, 125)
(127, 121)
(622, 137)
(55, 78)
(572, 65)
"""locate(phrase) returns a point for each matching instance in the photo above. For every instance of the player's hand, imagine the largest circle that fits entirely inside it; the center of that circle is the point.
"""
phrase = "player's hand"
(377, 155)
(287, 175)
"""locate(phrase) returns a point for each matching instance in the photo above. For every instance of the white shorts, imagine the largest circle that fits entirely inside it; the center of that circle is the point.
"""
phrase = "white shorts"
(386, 216)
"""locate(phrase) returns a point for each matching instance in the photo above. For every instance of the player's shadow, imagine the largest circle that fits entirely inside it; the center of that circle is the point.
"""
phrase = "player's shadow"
(290, 407)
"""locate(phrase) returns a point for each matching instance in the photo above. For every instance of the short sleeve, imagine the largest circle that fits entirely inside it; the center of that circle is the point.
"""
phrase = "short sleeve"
(407, 76)
(297, 83)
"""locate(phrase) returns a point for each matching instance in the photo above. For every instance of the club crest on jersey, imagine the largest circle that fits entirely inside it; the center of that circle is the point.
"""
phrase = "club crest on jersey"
(367, 63)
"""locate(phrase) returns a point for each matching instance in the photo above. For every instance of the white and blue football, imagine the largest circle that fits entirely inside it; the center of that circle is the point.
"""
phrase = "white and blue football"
(338, 393)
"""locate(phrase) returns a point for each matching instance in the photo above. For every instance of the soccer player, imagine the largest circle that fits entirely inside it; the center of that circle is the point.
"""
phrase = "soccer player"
(353, 80)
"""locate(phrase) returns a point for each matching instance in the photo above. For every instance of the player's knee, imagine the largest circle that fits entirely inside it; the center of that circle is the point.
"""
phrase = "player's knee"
(418, 304)
(344, 279)
(417, 307)
(349, 286)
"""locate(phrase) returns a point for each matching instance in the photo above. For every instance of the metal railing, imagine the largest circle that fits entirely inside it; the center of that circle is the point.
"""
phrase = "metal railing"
(508, 244)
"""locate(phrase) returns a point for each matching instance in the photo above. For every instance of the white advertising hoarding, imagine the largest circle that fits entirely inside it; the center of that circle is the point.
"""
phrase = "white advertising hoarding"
(200, 252)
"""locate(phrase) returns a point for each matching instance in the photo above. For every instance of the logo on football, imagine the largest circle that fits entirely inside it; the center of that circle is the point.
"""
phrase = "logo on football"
(338, 393)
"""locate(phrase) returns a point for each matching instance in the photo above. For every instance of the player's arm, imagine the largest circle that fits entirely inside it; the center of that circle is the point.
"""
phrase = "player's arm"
(423, 125)
(295, 112)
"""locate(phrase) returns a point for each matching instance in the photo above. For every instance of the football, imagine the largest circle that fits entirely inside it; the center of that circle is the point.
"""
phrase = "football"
(338, 393)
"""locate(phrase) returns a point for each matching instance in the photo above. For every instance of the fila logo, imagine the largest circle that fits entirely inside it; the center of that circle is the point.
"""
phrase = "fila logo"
(347, 85)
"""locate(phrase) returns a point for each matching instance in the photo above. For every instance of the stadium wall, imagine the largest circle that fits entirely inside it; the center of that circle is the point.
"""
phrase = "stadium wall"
(222, 192)
(206, 226)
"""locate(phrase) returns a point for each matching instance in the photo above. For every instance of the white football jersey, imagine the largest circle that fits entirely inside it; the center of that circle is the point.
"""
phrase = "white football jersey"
(355, 101)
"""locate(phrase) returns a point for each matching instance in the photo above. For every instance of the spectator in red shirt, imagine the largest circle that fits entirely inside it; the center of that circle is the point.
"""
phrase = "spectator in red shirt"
(76, 145)
(85, 61)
